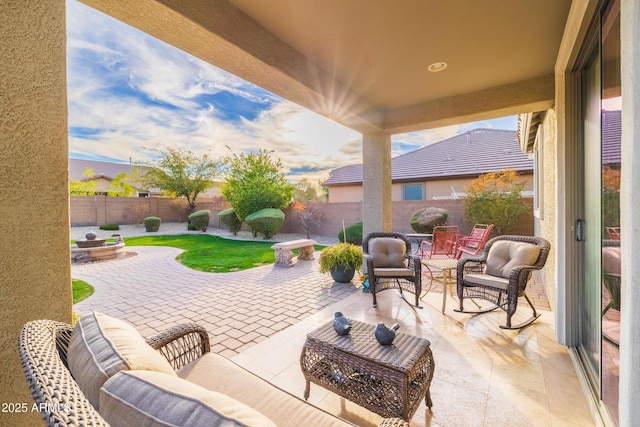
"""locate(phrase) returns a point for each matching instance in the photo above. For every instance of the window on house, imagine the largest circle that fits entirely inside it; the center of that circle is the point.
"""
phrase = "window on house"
(413, 192)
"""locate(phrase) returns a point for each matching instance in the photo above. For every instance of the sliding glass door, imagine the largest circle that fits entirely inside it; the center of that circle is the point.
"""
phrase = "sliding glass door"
(599, 230)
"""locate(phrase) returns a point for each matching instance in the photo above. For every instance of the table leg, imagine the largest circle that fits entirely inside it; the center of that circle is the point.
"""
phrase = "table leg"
(307, 389)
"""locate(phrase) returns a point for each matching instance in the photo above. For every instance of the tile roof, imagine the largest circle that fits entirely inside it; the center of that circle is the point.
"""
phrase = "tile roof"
(469, 154)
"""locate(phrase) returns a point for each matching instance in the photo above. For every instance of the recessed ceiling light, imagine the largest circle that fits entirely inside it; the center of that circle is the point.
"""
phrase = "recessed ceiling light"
(437, 66)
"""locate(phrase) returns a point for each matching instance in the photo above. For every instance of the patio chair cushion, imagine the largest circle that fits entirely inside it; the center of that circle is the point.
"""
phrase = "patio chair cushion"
(101, 346)
(217, 373)
(505, 255)
(611, 260)
(147, 398)
(393, 272)
(487, 280)
(388, 252)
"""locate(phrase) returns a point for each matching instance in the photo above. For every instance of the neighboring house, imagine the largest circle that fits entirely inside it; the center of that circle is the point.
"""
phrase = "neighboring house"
(441, 170)
(104, 173)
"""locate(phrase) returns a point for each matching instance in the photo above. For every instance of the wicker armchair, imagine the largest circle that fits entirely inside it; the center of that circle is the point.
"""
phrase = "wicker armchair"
(43, 348)
(509, 261)
(391, 265)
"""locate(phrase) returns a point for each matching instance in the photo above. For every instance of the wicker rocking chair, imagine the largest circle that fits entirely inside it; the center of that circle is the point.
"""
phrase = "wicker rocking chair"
(509, 261)
(391, 265)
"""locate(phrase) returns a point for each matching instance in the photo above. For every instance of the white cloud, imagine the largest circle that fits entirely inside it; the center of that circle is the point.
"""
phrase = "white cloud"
(137, 92)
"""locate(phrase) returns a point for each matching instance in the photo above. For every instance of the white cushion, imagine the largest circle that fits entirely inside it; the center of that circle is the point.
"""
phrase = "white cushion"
(611, 260)
(217, 373)
(504, 255)
(101, 346)
(487, 280)
(149, 399)
(388, 252)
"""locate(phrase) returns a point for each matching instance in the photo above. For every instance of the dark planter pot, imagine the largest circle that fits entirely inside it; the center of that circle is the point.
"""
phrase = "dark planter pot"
(342, 275)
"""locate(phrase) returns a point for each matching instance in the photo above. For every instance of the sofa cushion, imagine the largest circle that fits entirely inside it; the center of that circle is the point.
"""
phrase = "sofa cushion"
(611, 260)
(147, 398)
(388, 252)
(505, 254)
(217, 373)
(101, 346)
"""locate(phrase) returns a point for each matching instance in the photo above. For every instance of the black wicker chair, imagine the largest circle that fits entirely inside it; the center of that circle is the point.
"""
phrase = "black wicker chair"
(391, 265)
(508, 263)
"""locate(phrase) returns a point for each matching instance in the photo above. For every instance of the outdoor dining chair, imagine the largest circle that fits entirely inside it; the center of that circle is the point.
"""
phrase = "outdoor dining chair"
(475, 241)
(443, 243)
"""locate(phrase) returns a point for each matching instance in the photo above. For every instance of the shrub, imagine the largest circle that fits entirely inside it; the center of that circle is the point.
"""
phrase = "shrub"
(494, 198)
(109, 227)
(191, 227)
(341, 255)
(266, 221)
(152, 223)
(200, 219)
(229, 218)
(424, 220)
(354, 234)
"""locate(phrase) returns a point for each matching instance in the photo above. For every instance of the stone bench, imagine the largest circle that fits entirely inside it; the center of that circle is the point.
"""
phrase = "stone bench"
(284, 253)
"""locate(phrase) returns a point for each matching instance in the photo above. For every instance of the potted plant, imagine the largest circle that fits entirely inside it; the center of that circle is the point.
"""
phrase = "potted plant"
(342, 261)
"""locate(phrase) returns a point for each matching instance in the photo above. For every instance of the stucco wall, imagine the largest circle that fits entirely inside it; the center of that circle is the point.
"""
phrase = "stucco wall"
(547, 218)
(35, 272)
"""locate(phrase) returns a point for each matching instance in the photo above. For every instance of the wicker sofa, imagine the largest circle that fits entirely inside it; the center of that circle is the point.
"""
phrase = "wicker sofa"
(239, 397)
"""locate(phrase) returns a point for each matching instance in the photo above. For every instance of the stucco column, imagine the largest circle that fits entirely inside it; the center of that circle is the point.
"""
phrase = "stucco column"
(376, 186)
(35, 269)
(629, 208)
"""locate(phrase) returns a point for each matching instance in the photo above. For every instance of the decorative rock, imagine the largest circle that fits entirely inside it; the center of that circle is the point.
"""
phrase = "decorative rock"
(91, 235)
(341, 324)
(384, 335)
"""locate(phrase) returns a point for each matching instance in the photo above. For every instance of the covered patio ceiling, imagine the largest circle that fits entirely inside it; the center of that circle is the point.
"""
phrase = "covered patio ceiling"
(364, 63)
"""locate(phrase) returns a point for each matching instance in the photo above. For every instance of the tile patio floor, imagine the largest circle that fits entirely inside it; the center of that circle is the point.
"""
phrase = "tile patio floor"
(484, 376)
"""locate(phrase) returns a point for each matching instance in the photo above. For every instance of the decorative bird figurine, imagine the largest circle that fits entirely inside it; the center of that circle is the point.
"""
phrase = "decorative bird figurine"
(384, 335)
(341, 324)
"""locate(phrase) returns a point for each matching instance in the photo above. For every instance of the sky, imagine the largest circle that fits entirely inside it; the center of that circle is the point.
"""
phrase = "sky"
(129, 93)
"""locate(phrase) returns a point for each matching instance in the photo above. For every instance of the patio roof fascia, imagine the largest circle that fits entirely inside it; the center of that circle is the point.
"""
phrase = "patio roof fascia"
(532, 95)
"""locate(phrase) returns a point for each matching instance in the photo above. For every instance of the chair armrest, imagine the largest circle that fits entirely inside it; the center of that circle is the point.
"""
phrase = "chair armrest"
(414, 263)
(181, 344)
(368, 262)
(460, 267)
(515, 276)
(469, 239)
(394, 422)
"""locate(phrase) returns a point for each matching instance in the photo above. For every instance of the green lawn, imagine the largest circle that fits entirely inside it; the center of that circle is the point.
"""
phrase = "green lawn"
(81, 290)
(204, 252)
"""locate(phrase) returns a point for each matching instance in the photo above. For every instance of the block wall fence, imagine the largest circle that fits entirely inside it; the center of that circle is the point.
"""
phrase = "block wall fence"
(99, 210)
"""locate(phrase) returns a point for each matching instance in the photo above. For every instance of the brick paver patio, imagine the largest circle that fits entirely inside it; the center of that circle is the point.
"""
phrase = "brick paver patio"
(152, 291)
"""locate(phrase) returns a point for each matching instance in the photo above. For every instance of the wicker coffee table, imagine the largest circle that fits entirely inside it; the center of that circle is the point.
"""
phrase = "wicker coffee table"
(388, 380)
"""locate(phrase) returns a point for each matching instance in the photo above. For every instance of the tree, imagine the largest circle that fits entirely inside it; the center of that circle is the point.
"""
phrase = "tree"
(494, 198)
(255, 181)
(84, 187)
(305, 193)
(121, 187)
(308, 191)
(181, 173)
